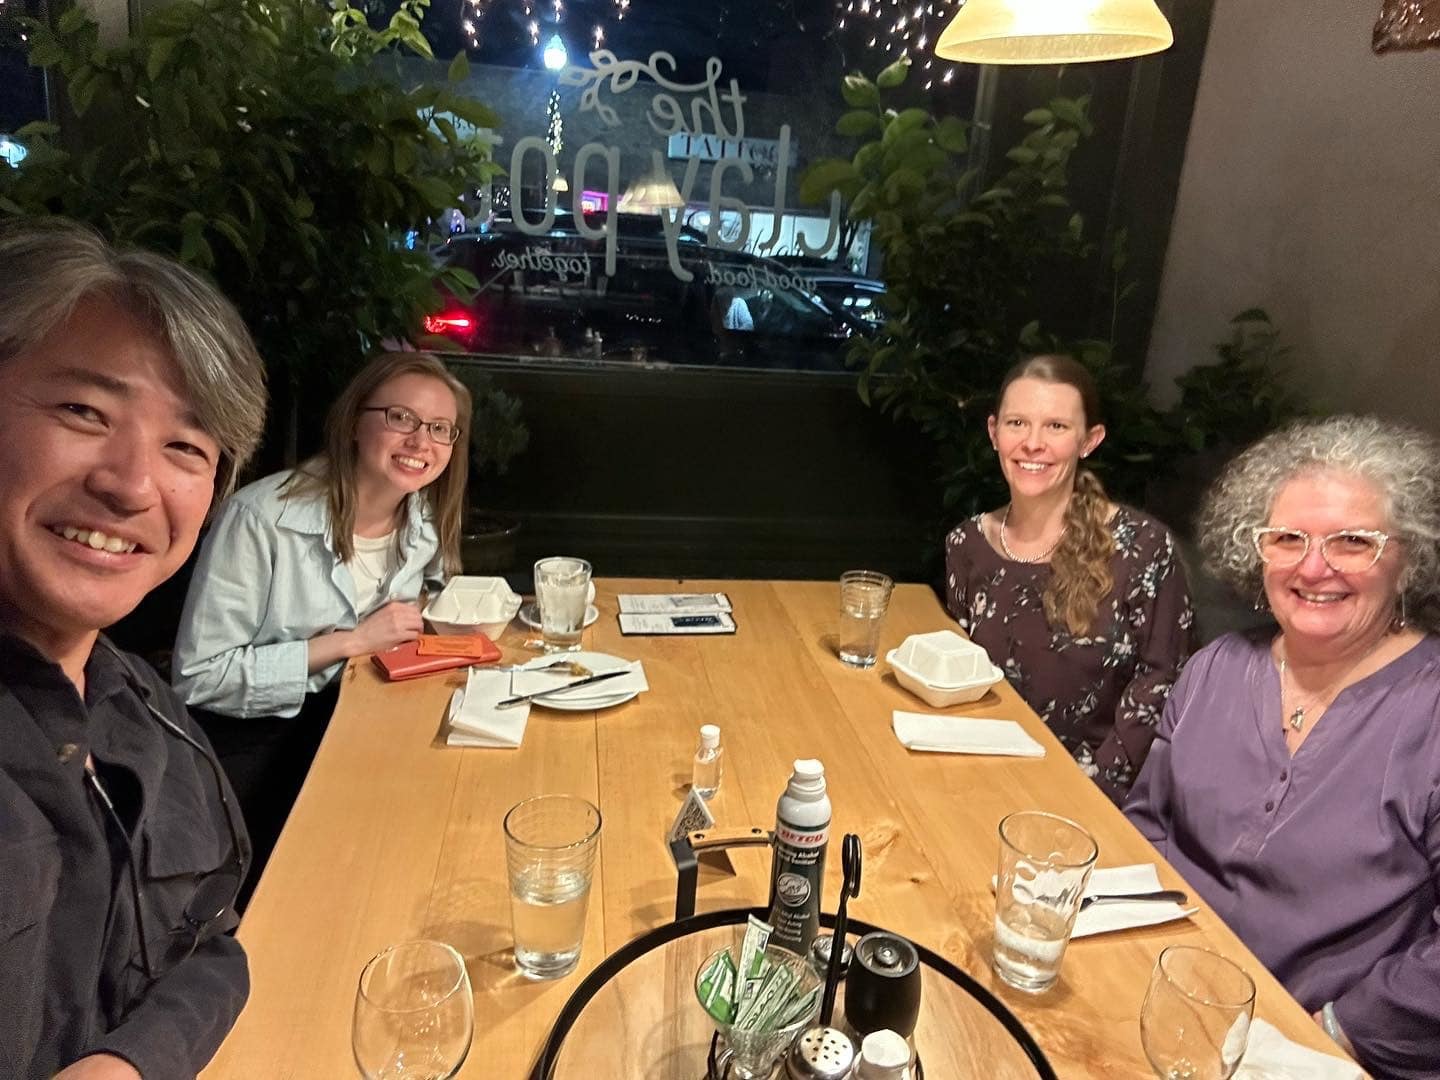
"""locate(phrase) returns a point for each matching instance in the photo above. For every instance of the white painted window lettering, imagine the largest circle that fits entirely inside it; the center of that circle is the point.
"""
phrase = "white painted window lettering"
(707, 118)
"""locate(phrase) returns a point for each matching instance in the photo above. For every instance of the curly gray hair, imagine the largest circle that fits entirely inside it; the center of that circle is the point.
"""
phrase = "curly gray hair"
(51, 264)
(1401, 463)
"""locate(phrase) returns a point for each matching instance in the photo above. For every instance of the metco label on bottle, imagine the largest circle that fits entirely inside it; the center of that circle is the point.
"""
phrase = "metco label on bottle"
(795, 887)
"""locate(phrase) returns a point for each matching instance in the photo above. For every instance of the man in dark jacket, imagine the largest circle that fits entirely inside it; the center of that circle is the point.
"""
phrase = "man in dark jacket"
(131, 394)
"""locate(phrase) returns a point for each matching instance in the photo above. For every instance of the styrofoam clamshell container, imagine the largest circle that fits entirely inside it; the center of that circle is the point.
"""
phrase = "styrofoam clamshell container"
(470, 604)
(943, 659)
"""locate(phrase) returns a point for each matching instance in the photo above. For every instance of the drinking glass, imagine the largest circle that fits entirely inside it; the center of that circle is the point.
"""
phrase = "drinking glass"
(1045, 863)
(414, 1013)
(1196, 1017)
(550, 845)
(562, 586)
(751, 1055)
(864, 599)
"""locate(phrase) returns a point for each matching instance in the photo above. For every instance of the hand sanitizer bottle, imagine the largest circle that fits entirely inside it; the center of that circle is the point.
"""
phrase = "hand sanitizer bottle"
(705, 777)
(797, 868)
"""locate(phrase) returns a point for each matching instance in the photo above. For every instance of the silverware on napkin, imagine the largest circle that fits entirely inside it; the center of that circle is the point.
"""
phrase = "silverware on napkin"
(511, 702)
(1172, 896)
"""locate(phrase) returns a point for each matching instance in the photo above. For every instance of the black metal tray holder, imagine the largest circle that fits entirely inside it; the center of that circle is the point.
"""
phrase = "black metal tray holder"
(686, 923)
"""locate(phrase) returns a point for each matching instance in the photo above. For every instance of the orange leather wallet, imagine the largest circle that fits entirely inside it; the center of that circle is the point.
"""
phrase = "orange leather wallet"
(405, 661)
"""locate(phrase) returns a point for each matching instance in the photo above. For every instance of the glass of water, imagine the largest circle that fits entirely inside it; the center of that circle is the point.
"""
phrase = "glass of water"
(1196, 1018)
(414, 1013)
(562, 588)
(550, 847)
(1045, 863)
(864, 599)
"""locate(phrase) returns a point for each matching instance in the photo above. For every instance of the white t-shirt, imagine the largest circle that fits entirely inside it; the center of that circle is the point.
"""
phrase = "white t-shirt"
(369, 567)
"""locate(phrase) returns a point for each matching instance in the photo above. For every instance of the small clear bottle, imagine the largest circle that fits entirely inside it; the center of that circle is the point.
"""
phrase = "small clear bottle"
(705, 775)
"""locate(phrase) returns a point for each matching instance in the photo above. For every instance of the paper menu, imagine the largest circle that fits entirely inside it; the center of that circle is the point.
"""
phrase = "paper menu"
(673, 603)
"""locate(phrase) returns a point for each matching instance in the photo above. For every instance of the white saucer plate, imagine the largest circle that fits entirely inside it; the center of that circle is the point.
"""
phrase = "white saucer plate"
(530, 614)
(601, 699)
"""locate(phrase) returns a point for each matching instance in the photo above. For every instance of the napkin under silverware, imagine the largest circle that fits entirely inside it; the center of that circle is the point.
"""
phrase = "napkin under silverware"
(1269, 1055)
(1126, 914)
(472, 718)
(963, 735)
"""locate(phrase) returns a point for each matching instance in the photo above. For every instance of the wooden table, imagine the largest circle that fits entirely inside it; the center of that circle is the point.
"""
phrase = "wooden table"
(396, 836)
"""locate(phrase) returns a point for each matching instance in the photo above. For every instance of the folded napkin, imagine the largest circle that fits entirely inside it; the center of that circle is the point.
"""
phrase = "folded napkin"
(1269, 1055)
(530, 682)
(1119, 915)
(473, 719)
(963, 735)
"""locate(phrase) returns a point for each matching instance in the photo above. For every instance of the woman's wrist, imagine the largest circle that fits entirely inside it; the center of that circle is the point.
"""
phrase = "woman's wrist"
(330, 648)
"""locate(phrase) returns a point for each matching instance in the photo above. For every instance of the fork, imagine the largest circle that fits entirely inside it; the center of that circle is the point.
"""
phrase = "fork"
(1174, 896)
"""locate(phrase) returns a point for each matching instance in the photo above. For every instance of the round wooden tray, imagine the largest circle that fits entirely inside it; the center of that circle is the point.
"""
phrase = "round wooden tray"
(636, 1015)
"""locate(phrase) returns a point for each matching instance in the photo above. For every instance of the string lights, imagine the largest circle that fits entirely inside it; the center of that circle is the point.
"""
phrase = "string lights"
(475, 13)
(897, 28)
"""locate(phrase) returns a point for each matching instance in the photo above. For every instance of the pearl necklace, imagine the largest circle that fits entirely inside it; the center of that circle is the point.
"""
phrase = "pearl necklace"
(1005, 520)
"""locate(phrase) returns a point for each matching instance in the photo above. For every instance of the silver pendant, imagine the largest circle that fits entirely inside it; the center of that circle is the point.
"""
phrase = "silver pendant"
(1297, 719)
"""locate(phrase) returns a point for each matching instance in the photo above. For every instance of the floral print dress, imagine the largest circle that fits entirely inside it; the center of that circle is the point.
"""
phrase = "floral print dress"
(1101, 694)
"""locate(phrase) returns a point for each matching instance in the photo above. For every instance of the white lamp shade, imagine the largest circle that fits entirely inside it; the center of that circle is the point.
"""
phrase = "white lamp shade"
(653, 194)
(1054, 31)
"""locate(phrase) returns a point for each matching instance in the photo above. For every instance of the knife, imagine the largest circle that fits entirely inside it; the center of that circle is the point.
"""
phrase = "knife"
(1174, 896)
(511, 702)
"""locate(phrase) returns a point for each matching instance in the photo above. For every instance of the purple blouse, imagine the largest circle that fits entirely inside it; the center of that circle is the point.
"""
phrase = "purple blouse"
(1327, 863)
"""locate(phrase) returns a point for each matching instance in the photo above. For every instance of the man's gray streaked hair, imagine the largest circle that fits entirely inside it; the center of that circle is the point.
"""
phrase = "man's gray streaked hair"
(1400, 462)
(48, 265)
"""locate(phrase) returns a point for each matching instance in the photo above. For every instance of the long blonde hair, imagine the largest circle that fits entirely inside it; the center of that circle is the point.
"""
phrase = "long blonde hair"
(1080, 575)
(332, 471)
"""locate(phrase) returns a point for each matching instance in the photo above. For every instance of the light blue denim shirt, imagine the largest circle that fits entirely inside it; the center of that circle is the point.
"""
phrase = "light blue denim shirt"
(267, 581)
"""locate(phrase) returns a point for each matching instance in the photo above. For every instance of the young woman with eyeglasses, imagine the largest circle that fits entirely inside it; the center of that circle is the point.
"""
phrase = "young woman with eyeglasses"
(312, 566)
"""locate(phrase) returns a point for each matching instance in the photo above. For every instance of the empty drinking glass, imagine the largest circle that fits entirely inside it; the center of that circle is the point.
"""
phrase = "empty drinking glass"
(550, 845)
(1196, 1017)
(562, 588)
(864, 599)
(1045, 862)
(414, 1014)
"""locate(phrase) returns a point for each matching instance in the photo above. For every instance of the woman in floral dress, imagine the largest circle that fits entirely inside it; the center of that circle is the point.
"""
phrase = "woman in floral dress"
(1081, 601)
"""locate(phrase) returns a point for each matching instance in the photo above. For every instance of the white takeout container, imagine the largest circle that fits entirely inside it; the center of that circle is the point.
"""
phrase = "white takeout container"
(943, 668)
(943, 659)
(470, 604)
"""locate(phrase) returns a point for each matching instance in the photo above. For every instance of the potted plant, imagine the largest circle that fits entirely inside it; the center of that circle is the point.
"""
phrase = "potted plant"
(497, 434)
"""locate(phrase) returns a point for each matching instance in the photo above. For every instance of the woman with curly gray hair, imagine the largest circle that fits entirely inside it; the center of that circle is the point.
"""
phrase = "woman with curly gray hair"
(1293, 780)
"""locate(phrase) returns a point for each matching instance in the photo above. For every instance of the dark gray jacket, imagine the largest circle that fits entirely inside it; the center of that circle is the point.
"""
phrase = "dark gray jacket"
(72, 980)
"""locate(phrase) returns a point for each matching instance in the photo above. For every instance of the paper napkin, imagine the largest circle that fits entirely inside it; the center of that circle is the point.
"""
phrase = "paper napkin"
(1119, 915)
(1269, 1055)
(963, 735)
(530, 682)
(473, 719)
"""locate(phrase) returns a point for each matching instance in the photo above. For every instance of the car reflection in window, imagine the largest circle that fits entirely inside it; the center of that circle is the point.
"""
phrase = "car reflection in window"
(549, 296)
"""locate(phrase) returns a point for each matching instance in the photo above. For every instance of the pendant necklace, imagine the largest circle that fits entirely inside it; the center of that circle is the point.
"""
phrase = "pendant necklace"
(1005, 520)
(1296, 718)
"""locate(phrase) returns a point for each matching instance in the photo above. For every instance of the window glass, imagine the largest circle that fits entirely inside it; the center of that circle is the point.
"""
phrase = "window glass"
(650, 209)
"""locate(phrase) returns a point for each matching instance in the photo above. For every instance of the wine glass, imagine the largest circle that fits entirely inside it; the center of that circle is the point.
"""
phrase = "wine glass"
(1196, 1016)
(414, 1014)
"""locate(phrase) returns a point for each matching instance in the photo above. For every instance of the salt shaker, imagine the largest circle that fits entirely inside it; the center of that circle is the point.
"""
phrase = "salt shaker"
(884, 1055)
(820, 1053)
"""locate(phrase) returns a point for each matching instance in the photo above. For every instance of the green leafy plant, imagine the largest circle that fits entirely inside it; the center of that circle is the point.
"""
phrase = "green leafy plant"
(261, 142)
(1234, 401)
(497, 429)
(965, 263)
(968, 267)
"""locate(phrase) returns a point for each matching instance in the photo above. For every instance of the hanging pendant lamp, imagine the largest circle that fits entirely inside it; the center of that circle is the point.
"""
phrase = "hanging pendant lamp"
(1053, 31)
